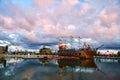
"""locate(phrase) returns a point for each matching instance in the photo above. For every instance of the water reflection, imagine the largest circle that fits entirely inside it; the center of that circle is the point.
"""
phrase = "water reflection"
(44, 60)
(77, 65)
(61, 69)
(108, 65)
(2, 63)
(73, 67)
(107, 60)
(89, 63)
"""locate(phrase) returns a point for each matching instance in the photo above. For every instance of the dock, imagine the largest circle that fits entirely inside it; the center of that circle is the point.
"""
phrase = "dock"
(29, 56)
(53, 56)
(39, 56)
(107, 57)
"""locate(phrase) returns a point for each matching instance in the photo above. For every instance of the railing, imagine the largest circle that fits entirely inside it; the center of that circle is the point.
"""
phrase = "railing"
(107, 57)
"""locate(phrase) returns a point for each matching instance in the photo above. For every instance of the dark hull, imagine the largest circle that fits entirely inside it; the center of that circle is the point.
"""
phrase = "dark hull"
(82, 54)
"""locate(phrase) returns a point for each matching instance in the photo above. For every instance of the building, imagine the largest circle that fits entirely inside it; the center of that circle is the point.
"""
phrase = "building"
(3, 49)
(45, 51)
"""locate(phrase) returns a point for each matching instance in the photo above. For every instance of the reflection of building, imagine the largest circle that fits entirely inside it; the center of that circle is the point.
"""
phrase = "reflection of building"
(45, 51)
(2, 62)
(43, 60)
(1, 59)
(3, 49)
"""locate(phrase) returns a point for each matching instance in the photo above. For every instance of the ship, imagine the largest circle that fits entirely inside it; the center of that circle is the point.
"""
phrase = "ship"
(86, 52)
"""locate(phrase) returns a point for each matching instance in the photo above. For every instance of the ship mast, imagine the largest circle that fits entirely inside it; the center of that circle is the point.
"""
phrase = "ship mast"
(60, 41)
(79, 46)
(84, 46)
(71, 41)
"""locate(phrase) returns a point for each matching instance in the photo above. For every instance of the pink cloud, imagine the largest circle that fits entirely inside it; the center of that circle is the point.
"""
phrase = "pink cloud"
(107, 17)
(70, 2)
(36, 22)
(44, 3)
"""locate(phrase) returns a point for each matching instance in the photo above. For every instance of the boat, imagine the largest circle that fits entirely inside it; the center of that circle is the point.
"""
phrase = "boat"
(83, 53)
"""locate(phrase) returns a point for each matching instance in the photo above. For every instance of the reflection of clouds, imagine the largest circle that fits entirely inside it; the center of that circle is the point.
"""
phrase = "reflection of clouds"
(10, 71)
(28, 74)
(1, 66)
(86, 70)
(14, 61)
(108, 66)
(34, 70)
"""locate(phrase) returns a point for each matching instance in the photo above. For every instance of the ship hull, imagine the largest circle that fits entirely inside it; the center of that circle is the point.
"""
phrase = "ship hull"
(82, 54)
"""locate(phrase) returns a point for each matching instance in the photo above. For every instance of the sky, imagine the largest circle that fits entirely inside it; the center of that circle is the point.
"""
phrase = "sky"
(29, 24)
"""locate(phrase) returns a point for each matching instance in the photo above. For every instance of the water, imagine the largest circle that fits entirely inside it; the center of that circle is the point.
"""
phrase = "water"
(70, 69)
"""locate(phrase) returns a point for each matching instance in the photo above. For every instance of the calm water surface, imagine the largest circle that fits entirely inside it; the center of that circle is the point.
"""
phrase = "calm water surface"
(70, 69)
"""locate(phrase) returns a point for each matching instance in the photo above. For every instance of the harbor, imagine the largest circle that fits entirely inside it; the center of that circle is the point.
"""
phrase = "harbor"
(64, 64)
(106, 57)
(59, 39)
(71, 69)
(29, 56)
(55, 56)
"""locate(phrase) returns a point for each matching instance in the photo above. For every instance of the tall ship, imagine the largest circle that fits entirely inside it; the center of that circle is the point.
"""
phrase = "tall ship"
(85, 52)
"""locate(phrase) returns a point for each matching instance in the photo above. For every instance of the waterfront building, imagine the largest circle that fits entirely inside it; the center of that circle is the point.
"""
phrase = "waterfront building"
(3, 49)
(45, 51)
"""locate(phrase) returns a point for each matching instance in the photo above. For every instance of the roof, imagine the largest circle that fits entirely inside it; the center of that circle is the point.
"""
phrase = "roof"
(44, 48)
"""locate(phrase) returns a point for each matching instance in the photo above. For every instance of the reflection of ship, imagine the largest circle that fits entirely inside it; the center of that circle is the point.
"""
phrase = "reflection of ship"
(83, 53)
(77, 62)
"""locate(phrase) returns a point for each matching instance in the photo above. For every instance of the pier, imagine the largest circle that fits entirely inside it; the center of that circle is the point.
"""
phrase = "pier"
(107, 57)
(53, 56)
(39, 56)
(30, 56)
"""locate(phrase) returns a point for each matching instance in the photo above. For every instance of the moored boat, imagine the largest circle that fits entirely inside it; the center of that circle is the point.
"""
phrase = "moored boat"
(83, 53)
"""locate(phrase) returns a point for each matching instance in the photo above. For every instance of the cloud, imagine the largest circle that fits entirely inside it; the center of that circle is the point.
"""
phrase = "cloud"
(43, 21)
(44, 3)
(70, 2)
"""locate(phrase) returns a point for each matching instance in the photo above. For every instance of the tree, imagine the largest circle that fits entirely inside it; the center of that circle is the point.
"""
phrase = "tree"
(118, 53)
